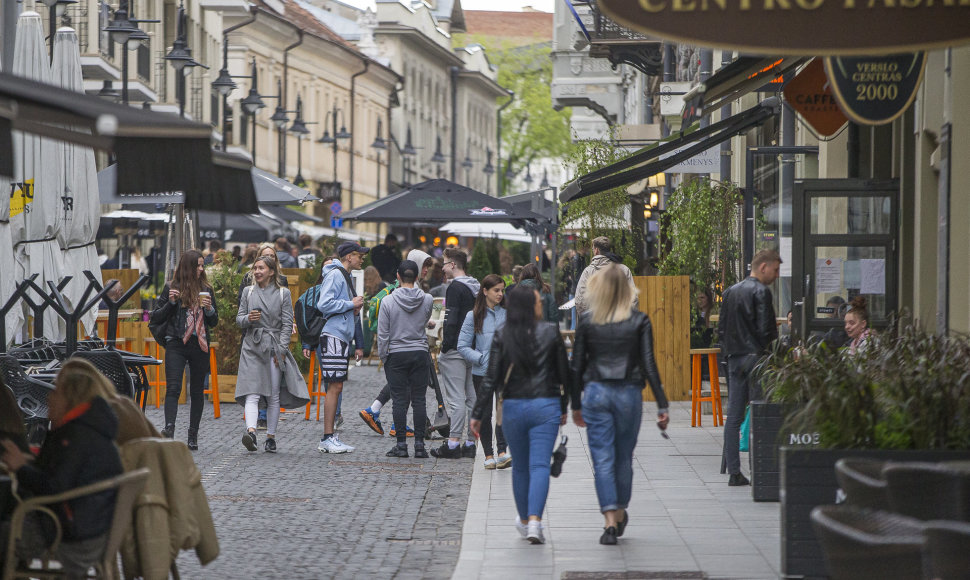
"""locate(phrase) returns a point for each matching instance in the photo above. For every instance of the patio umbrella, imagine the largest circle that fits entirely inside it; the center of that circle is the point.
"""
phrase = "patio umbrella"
(35, 202)
(439, 200)
(81, 209)
(498, 230)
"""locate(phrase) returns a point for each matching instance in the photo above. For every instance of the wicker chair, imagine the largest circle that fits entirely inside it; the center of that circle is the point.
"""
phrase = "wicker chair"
(928, 491)
(945, 549)
(128, 486)
(30, 393)
(112, 365)
(862, 544)
(861, 480)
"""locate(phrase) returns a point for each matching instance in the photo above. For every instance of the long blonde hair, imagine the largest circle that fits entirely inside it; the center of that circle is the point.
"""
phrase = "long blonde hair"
(79, 382)
(610, 295)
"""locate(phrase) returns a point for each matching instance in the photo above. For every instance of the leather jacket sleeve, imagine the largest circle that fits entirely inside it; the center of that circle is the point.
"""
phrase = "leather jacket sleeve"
(571, 391)
(649, 364)
(764, 312)
(580, 348)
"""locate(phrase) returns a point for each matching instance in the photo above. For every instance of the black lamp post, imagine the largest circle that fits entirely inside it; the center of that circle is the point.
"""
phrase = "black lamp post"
(55, 9)
(467, 165)
(109, 92)
(528, 176)
(330, 120)
(300, 130)
(251, 105)
(544, 184)
(407, 155)
(224, 85)
(180, 57)
(380, 145)
(122, 30)
(488, 170)
(438, 158)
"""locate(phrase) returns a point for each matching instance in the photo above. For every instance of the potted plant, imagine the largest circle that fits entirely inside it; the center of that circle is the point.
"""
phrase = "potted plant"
(225, 277)
(906, 398)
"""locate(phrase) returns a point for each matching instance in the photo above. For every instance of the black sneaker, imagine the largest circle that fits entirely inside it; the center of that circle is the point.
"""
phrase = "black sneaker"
(737, 480)
(469, 451)
(261, 424)
(169, 431)
(192, 441)
(398, 451)
(446, 452)
(609, 536)
(621, 526)
(249, 440)
(420, 452)
(270, 445)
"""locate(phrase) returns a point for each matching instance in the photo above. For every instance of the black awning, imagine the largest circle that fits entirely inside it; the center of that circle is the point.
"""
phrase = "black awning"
(743, 75)
(647, 161)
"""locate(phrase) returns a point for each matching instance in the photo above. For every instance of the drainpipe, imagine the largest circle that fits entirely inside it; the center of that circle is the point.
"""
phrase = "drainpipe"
(498, 147)
(283, 102)
(454, 121)
(943, 197)
(706, 68)
(726, 58)
(353, 130)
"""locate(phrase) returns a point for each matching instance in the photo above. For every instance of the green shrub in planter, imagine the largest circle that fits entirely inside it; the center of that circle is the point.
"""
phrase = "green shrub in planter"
(225, 277)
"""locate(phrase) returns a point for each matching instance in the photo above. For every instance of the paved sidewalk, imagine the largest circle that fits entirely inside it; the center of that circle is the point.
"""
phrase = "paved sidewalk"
(685, 522)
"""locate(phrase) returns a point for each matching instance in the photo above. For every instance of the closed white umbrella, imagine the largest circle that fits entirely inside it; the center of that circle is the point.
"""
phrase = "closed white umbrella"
(15, 318)
(35, 205)
(81, 208)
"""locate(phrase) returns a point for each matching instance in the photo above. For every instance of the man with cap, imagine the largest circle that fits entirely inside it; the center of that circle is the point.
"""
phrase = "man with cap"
(403, 348)
(340, 307)
(371, 415)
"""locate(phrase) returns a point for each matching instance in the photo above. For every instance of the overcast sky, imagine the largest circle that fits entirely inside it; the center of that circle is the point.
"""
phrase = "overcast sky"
(499, 5)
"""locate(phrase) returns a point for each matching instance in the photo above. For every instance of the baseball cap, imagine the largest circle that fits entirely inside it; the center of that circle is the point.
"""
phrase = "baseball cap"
(408, 266)
(348, 247)
(418, 257)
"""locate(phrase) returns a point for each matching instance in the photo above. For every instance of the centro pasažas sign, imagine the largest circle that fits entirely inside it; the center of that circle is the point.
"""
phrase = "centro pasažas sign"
(801, 27)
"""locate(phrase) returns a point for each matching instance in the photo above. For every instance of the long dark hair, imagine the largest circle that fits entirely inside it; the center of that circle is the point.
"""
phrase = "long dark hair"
(531, 272)
(488, 282)
(519, 336)
(187, 280)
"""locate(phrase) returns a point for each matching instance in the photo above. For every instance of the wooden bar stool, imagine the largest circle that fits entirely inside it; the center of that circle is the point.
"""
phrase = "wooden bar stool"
(314, 385)
(696, 355)
(154, 350)
(213, 380)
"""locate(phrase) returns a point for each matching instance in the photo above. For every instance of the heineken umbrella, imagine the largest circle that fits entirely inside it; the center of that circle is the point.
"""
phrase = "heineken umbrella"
(439, 200)
(15, 317)
(498, 230)
(35, 199)
(80, 209)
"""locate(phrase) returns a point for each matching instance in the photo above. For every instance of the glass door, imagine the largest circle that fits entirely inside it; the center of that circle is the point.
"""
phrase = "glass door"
(844, 234)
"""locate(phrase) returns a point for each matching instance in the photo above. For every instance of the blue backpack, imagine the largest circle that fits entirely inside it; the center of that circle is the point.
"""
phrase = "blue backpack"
(309, 320)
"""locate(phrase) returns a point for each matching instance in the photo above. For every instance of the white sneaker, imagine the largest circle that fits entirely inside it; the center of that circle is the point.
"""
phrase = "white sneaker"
(334, 445)
(523, 529)
(534, 533)
(490, 463)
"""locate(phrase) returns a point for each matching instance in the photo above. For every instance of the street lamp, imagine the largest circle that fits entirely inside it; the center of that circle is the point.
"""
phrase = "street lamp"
(108, 92)
(407, 154)
(438, 158)
(55, 9)
(251, 105)
(380, 145)
(122, 30)
(330, 120)
(180, 57)
(545, 178)
(299, 129)
(488, 170)
(528, 176)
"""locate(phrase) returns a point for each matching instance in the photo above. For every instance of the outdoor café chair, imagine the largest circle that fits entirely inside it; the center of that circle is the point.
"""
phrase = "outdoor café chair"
(928, 491)
(31, 394)
(945, 548)
(863, 544)
(128, 485)
(861, 480)
(112, 365)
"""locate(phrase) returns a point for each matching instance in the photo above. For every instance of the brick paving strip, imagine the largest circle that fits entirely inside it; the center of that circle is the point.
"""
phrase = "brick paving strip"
(305, 514)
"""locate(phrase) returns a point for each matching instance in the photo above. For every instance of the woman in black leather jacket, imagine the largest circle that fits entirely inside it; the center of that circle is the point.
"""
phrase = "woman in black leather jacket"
(186, 309)
(528, 367)
(612, 357)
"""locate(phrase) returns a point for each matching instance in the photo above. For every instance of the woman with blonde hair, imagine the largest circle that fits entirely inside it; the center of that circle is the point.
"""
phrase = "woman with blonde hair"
(132, 423)
(612, 357)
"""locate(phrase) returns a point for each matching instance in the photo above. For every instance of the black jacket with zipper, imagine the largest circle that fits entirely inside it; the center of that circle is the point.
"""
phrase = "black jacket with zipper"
(550, 375)
(618, 352)
(747, 324)
(173, 315)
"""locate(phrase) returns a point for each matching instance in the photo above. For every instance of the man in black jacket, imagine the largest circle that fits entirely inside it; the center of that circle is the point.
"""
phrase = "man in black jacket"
(746, 329)
(456, 373)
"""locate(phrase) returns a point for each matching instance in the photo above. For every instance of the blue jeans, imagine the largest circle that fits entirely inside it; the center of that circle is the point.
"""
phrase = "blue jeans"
(612, 413)
(531, 426)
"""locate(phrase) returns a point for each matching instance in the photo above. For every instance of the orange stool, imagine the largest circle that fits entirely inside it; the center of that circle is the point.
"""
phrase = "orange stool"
(696, 355)
(314, 386)
(213, 380)
(153, 349)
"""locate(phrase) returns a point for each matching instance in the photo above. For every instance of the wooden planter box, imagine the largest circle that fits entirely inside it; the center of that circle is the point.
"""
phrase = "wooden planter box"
(227, 388)
(808, 480)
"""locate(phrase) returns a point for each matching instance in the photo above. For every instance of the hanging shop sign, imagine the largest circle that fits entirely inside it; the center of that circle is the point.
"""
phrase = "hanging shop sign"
(810, 95)
(875, 90)
(799, 27)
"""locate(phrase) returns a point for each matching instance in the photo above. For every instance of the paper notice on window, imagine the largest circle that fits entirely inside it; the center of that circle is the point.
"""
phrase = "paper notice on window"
(828, 275)
(785, 251)
(873, 276)
(851, 275)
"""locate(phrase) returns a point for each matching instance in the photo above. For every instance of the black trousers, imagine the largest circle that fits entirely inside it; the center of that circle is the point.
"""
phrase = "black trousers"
(485, 434)
(385, 395)
(177, 356)
(407, 375)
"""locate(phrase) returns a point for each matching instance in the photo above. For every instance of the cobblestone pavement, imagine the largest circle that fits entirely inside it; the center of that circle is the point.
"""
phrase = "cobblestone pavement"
(305, 514)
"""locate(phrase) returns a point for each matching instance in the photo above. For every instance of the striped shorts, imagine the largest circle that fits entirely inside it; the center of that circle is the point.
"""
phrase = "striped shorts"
(334, 357)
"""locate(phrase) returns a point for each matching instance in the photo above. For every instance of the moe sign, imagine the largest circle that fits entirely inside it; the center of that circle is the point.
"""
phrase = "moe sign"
(801, 27)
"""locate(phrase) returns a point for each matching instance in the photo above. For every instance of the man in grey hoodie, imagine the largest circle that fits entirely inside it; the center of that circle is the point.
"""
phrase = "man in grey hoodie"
(602, 255)
(403, 348)
(455, 372)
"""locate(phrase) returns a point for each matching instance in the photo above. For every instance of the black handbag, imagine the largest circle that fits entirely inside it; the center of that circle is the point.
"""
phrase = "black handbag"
(558, 457)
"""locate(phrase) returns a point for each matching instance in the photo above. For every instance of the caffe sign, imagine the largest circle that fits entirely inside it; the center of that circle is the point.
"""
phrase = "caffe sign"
(875, 90)
(800, 27)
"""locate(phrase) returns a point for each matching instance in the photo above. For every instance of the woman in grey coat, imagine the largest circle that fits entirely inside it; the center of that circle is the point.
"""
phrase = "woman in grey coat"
(266, 366)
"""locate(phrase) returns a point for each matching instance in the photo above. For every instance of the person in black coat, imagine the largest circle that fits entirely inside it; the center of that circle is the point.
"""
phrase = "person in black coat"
(78, 451)
(386, 258)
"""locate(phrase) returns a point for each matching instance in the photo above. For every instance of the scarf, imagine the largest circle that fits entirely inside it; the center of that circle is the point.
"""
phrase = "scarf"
(195, 323)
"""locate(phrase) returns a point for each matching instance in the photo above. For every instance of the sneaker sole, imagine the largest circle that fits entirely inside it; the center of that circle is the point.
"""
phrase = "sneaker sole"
(374, 425)
(248, 442)
(535, 540)
(490, 467)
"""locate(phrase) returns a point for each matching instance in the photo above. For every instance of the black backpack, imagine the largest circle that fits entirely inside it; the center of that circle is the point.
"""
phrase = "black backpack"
(309, 320)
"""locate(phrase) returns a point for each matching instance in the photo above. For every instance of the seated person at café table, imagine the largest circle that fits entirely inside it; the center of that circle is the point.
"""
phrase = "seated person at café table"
(114, 293)
(78, 451)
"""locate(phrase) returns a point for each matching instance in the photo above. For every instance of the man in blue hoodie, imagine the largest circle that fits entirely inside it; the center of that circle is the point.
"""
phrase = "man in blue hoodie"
(403, 347)
(340, 308)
